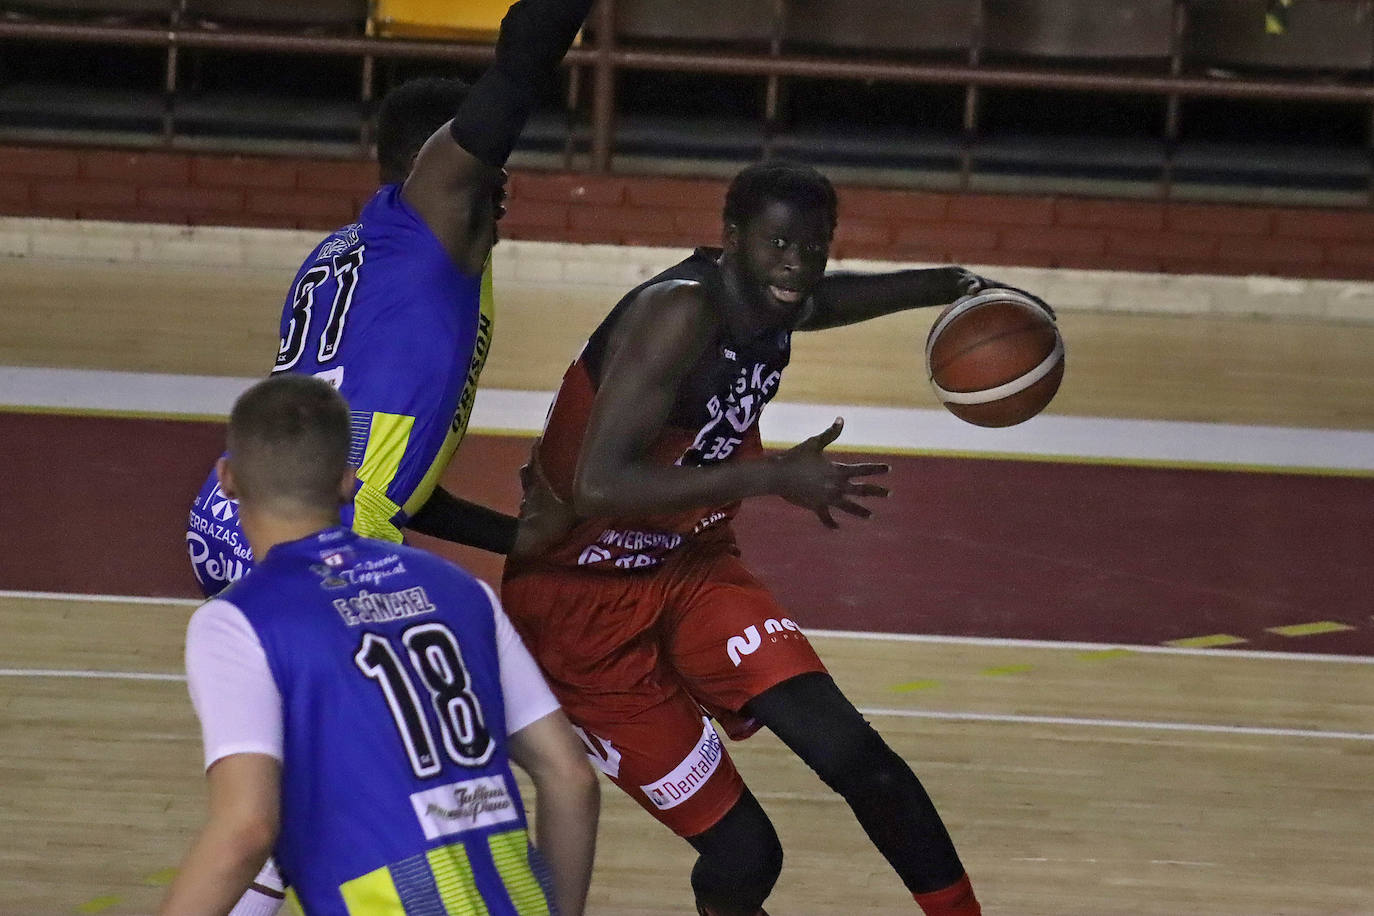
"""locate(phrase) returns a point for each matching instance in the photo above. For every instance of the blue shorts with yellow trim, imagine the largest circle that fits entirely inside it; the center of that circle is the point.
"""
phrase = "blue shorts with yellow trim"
(505, 876)
(215, 542)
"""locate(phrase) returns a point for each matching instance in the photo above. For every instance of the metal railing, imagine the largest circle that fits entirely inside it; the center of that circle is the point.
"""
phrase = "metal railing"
(603, 59)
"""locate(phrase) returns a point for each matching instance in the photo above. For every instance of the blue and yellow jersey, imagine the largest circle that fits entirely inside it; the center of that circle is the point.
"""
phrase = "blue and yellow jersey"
(381, 311)
(397, 794)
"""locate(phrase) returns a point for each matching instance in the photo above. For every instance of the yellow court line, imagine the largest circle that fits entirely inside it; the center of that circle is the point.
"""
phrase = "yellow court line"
(160, 878)
(1104, 654)
(1310, 629)
(1007, 669)
(911, 686)
(1206, 642)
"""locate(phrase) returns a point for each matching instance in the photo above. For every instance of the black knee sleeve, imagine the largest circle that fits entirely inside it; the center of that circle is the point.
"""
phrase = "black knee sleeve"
(859, 761)
(813, 718)
(740, 859)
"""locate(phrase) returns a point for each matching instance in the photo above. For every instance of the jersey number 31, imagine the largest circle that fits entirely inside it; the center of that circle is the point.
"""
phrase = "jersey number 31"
(344, 270)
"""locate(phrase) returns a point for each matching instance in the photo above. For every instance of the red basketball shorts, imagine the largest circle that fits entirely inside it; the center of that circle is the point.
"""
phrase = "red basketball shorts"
(637, 658)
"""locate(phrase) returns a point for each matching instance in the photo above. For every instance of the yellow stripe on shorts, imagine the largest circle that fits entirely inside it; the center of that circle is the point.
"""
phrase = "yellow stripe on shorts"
(386, 446)
(453, 876)
(374, 894)
(511, 853)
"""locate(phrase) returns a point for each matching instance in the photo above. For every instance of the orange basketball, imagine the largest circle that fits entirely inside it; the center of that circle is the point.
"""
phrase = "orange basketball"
(995, 358)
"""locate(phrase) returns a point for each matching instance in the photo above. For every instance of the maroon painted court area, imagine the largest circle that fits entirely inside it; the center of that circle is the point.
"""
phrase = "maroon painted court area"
(969, 547)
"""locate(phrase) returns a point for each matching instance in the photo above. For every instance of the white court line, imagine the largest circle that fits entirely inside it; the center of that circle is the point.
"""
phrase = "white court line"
(105, 599)
(991, 641)
(1121, 723)
(1001, 642)
(91, 675)
(1141, 724)
(1092, 438)
(903, 429)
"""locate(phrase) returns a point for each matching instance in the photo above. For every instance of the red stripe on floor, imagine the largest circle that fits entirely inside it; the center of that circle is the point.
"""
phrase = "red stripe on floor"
(968, 547)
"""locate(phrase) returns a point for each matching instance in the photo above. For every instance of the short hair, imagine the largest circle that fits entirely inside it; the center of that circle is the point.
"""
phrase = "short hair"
(408, 116)
(288, 439)
(779, 180)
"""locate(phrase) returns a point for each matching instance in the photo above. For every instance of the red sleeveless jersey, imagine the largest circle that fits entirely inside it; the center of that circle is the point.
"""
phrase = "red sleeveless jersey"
(714, 418)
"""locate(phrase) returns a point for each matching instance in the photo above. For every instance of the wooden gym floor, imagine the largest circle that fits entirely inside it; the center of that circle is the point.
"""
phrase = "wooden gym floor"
(1109, 775)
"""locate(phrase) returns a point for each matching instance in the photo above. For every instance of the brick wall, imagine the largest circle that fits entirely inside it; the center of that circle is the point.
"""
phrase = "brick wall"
(1031, 231)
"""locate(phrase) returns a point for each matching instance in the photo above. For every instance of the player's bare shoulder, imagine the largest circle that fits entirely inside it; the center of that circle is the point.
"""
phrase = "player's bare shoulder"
(677, 299)
(670, 322)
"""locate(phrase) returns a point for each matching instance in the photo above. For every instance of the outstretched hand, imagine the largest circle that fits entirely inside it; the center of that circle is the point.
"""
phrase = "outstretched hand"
(807, 478)
(971, 283)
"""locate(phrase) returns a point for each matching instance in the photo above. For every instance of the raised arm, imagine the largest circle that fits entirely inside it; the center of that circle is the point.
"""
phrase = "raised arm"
(457, 180)
(659, 340)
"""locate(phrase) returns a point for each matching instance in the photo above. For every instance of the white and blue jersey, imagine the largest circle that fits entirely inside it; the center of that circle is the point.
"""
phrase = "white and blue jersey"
(397, 793)
(379, 310)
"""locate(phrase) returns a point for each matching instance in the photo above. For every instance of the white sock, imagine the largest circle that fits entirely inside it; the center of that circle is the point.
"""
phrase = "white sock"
(265, 897)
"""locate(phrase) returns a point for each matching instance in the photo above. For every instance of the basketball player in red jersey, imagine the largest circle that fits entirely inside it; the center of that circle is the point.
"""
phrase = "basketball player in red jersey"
(632, 595)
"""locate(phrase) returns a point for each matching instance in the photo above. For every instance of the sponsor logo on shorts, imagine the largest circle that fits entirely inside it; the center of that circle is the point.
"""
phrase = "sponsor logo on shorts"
(637, 561)
(633, 542)
(221, 507)
(778, 630)
(593, 555)
(226, 536)
(602, 753)
(215, 566)
(707, 522)
(689, 775)
(462, 806)
(639, 540)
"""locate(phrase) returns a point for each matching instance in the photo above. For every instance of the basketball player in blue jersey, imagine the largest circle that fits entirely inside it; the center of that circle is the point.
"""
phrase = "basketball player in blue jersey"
(360, 703)
(395, 310)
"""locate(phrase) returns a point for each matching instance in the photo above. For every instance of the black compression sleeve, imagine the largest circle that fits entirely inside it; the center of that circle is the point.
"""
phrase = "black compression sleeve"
(535, 34)
(446, 516)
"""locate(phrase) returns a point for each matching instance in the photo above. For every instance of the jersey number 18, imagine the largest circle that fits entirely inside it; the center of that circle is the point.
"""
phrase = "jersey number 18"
(433, 653)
